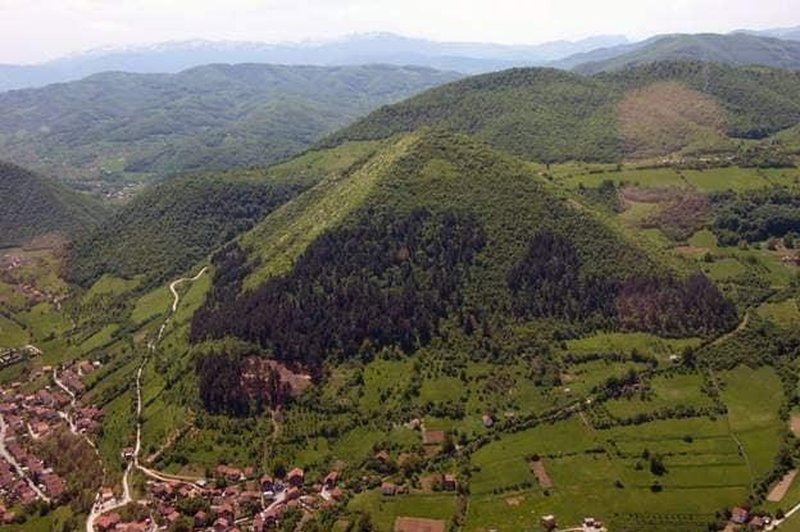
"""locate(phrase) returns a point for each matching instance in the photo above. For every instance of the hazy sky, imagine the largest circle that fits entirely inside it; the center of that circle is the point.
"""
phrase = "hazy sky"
(36, 30)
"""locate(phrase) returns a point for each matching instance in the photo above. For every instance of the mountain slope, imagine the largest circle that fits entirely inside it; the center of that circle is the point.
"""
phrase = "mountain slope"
(31, 206)
(117, 125)
(383, 48)
(732, 49)
(550, 115)
(172, 225)
(437, 229)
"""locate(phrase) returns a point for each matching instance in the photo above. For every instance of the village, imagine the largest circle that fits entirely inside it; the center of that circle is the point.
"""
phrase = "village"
(26, 417)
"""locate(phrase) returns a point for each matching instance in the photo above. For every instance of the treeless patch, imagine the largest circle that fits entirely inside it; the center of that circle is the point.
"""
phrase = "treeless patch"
(538, 469)
(418, 524)
(665, 117)
(794, 424)
(780, 489)
(514, 501)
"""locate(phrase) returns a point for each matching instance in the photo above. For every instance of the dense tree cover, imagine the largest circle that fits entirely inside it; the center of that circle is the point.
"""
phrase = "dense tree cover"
(734, 49)
(755, 216)
(543, 114)
(226, 386)
(213, 117)
(672, 307)
(31, 205)
(384, 280)
(549, 115)
(547, 283)
(172, 226)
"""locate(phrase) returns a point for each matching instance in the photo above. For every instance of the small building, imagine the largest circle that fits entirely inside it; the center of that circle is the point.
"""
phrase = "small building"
(433, 437)
(200, 519)
(549, 522)
(740, 515)
(488, 420)
(388, 489)
(449, 482)
(296, 477)
(267, 483)
(331, 479)
(107, 521)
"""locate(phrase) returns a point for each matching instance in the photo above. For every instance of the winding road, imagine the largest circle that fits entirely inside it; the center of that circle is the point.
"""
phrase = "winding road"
(99, 509)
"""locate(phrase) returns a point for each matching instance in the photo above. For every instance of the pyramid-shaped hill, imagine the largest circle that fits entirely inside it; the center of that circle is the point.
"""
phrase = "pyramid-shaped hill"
(436, 229)
(32, 206)
(650, 110)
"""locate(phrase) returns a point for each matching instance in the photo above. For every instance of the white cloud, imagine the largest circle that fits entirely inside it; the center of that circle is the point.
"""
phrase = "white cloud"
(35, 30)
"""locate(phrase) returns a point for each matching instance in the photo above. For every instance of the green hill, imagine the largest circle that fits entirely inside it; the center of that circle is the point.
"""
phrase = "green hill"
(174, 224)
(437, 229)
(549, 115)
(732, 49)
(121, 126)
(32, 206)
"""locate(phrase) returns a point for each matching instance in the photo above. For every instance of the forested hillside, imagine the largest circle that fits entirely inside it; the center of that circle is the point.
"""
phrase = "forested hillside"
(550, 115)
(176, 223)
(119, 126)
(31, 206)
(731, 49)
(443, 229)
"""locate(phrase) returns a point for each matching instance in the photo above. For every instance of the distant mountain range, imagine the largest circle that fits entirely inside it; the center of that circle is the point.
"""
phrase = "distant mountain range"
(122, 125)
(359, 49)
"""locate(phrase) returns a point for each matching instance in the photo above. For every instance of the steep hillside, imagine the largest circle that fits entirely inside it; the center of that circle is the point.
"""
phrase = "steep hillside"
(438, 229)
(549, 115)
(732, 49)
(31, 206)
(117, 126)
(176, 223)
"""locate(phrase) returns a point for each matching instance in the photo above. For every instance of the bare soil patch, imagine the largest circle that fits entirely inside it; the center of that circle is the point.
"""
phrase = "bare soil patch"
(514, 501)
(794, 424)
(665, 117)
(418, 524)
(539, 470)
(779, 490)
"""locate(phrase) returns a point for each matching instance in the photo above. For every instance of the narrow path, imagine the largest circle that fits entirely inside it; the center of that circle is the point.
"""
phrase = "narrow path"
(739, 328)
(733, 435)
(99, 509)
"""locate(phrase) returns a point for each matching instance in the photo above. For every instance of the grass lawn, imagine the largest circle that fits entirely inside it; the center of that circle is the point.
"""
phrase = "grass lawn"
(384, 510)
(152, 304)
(11, 334)
(503, 463)
(703, 239)
(108, 284)
(753, 398)
(732, 178)
(723, 269)
(784, 313)
(649, 344)
(671, 391)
